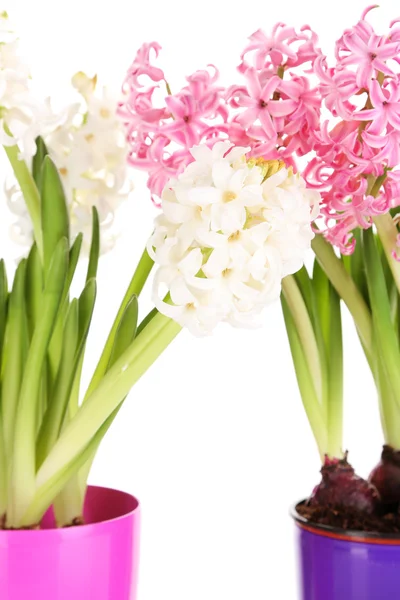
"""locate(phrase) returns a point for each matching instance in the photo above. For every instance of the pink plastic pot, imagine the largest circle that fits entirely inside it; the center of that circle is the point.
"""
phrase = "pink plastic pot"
(96, 561)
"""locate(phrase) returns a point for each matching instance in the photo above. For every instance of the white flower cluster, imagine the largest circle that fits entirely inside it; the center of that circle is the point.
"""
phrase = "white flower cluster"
(228, 233)
(90, 151)
(21, 115)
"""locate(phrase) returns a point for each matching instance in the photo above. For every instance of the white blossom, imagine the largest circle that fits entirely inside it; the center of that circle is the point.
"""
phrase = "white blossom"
(22, 115)
(90, 151)
(227, 236)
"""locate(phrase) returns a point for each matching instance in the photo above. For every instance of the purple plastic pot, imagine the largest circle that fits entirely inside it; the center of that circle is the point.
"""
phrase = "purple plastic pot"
(336, 564)
(96, 561)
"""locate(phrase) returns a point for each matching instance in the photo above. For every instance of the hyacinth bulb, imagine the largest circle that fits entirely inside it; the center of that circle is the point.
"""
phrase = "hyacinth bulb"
(342, 488)
(386, 476)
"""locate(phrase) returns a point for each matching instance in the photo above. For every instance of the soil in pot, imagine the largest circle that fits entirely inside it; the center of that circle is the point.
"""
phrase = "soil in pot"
(344, 500)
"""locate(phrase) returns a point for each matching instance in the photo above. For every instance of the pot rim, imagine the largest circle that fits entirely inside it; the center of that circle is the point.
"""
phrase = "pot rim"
(80, 530)
(345, 535)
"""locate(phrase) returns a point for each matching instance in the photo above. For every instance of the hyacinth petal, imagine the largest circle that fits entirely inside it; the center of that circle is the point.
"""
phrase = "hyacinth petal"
(221, 174)
(249, 116)
(252, 195)
(282, 108)
(236, 181)
(180, 294)
(176, 213)
(259, 233)
(394, 119)
(269, 88)
(204, 196)
(379, 123)
(217, 262)
(267, 124)
(376, 94)
(253, 83)
(191, 263)
(367, 115)
(201, 153)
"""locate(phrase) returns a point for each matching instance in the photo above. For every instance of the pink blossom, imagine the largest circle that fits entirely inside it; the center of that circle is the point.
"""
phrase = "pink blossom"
(346, 126)
(283, 47)
(260, 105)
(386, 107)
(369, 55)
(336, 87)
(142, 65)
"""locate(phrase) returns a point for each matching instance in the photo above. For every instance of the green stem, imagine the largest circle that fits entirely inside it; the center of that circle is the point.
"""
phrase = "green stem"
(309, 398)
(3, 473)
(335, 379)
(388, 233)
(389, 411)
(134, 289)
(68, 504)
(346, 288)
(29, 191)
(108, 395)
(305, 330)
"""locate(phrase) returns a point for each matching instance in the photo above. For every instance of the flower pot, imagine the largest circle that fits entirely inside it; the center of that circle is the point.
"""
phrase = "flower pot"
(98, 560)
(336, 564)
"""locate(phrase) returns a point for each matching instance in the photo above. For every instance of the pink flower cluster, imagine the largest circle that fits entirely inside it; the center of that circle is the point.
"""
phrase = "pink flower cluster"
(278, 112)
(273, 116)
(359, 145)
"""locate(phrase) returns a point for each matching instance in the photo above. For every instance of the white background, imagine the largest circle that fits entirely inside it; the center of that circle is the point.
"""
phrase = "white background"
(213, 440)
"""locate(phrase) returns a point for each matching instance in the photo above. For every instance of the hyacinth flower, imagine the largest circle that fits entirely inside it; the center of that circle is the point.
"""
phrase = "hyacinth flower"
(89, 147)
(356, 171)
(338, 126)
(231, 227)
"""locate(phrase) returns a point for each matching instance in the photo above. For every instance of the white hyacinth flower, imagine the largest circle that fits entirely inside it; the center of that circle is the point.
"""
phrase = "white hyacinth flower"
(229, 231)
(22, 116)
(90, 151)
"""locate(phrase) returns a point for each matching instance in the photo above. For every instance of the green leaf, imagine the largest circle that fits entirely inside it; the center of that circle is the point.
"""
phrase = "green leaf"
(304, 282)
(57, 340)
(126, 330)
(74, 255)
(56, 410)
(95, 246)
(135, 287)
(306, 333)
(55, 220)
(14, 356)
(385, 335)
(46, 494)
(357, 267)
(125, 336)
(108, 395)
(321, 290)
(37, 162)
(24, 463)
(346, 288)
(305, 382)
(87, 301)
(3, 304)
(33, 288)
(335, 377)
(146, 320)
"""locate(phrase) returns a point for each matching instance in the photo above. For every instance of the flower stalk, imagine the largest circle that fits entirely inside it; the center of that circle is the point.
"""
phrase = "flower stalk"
(311, 310)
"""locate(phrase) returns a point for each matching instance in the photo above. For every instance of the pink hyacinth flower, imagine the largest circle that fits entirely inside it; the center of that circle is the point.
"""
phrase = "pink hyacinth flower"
(260, 105)
(386, 107)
